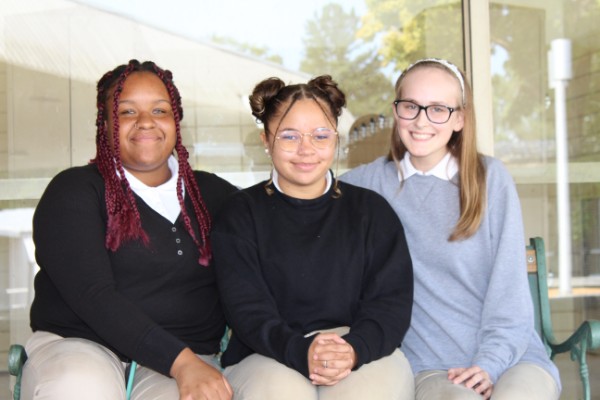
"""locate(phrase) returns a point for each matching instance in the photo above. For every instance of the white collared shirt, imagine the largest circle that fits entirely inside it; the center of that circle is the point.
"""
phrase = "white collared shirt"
(275, 179)
(162, 198)
(445, 169)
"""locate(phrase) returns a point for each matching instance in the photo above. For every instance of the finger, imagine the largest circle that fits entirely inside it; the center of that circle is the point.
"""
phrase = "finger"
(327, 372)
(228, 387)
(318, 379)
(339, 363)
(461, 378)
(488, 393)
(344, 348)
(330, 336)
(466, 374)
(482, 386)
(454, 372)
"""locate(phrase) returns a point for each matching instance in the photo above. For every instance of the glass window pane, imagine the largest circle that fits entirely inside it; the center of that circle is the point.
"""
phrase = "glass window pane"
(53, 52)
(527, 118)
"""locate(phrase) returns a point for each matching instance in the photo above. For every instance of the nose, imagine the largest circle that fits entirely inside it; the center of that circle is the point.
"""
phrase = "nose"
(422, 118)
(144, 121)
(303, 145)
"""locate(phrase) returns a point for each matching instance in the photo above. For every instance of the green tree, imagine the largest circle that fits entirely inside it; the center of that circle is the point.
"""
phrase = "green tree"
(410, 30)
(331, 47)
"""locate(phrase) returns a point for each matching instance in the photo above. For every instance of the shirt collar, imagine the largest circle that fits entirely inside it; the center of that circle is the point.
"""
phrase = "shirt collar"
(170, 185)
(275, 179)
(444, 170)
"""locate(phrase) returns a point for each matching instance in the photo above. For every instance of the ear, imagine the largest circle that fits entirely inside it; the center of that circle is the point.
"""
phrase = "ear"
(263, 138)
(459, 122)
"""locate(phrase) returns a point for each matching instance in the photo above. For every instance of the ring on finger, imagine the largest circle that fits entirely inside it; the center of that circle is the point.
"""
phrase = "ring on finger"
(325, 363)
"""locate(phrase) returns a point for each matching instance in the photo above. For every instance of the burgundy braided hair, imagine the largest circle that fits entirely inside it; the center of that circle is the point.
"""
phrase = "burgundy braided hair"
(124, 223)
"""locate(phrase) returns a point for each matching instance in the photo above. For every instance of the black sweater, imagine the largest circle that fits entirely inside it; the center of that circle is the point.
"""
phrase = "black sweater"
(145, 303)
(287, 267)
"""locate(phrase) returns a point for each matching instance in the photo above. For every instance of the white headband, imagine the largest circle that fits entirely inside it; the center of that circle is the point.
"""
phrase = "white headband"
(446, 64)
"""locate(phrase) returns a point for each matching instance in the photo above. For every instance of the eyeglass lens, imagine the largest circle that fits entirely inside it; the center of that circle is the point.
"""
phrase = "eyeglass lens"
(438, 114)
(320, 138)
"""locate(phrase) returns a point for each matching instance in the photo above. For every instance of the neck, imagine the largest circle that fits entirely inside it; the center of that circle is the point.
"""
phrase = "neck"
(152, 178)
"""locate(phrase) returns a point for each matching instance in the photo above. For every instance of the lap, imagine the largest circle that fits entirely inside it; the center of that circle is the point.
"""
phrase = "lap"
(389, 378)
(75, 368)
(150, 385)
(70, 368)
(258, 377)
(524, 381)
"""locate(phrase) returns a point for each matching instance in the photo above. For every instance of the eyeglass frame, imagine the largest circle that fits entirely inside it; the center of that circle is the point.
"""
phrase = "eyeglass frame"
(309, 134)
(424, 108)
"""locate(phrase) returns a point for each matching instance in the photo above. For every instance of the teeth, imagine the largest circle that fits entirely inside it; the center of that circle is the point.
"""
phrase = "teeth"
(421, 135)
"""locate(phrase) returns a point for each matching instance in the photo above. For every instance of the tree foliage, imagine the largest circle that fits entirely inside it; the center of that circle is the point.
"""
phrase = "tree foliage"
(411, 30)
(332, 47)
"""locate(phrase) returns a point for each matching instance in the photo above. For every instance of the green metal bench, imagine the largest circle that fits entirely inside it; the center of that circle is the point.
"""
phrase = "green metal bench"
(16, 359)
(586, 337)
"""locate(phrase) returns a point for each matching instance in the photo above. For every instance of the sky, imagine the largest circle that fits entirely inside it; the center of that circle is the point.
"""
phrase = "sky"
(278, 25)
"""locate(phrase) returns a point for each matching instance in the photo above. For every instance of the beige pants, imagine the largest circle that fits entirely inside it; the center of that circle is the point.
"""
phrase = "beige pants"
(60, 368)
(261, 378)
(524, 381)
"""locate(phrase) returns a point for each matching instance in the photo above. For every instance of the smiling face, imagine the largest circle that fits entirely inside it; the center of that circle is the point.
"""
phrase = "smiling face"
(301, 172)
(147, 131)
(425, 141)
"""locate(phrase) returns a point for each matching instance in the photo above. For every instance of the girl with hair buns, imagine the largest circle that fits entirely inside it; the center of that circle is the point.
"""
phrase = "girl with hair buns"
(472, 332)
(125, 258)
(314, 274)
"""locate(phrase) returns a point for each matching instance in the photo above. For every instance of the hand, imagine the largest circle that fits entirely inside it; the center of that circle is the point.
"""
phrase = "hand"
(330, 359)
(473, 378)
(198, 380)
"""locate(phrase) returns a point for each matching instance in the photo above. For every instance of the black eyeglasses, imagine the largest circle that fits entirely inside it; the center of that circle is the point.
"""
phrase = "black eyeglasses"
(436, 113)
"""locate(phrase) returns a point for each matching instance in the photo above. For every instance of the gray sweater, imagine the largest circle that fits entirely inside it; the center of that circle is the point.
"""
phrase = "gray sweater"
(472, 304)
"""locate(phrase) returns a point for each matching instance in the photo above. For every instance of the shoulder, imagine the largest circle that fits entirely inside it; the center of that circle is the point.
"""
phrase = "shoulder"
(214, 189)
(496, 172)
(366, 201)
(211, 181)
(72, 191)
(240, 207)
(248, 197)
(365, 175)
(73, 180)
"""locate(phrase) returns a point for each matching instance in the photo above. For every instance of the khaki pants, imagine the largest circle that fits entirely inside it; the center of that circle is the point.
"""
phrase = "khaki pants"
(60, 368)
(261, 378)
(524, 381)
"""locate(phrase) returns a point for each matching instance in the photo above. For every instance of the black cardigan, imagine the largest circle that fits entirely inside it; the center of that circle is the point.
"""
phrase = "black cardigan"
(144, 303)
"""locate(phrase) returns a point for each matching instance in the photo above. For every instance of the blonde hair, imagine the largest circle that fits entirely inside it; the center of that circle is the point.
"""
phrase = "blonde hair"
(463, 146)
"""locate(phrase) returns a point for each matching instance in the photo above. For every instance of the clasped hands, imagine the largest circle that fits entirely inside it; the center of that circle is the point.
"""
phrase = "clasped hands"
(330, 359)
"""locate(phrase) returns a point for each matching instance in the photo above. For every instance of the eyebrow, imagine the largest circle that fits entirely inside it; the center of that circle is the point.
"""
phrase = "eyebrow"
(155, 102)
(433, 103)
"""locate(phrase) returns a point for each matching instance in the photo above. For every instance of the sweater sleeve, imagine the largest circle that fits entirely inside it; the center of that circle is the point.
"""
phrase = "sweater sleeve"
(507, 315)
(69, 235)
(384, 312)
(250, 309)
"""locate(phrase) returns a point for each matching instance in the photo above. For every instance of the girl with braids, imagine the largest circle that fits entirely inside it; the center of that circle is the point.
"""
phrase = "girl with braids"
(314, 274)
(125, 260)
(472, 334)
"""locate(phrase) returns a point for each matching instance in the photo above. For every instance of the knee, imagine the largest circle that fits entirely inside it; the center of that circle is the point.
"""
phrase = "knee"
(69, 372)
(258, 377)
